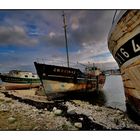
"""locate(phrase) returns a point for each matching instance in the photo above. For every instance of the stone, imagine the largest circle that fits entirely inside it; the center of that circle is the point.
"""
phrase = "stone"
(4, 108)
(54, 108)
(1, 99)
(98, 109)
(81, 119)
(40, 111)
(78, 124)
(58, 112)
(11, 119)
(35, 128)
(91, 118)
(8, 100)
(35, 110)
(116, 121)
(118, 112)
(45, 109)
(71, 111)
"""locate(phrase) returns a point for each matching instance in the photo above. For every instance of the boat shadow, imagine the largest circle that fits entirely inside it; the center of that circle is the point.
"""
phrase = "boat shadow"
(95, 98)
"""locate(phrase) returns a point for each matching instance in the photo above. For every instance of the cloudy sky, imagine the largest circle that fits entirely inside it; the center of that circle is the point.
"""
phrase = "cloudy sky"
(38, 35)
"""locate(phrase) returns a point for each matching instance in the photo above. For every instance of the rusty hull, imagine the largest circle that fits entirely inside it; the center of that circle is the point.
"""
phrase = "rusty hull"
(64, 87)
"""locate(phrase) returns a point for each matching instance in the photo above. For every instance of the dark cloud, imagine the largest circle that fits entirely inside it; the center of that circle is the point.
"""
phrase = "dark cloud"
(83, 27)
(93, 26)
(87, 32)
(53, 40)
(15, 35)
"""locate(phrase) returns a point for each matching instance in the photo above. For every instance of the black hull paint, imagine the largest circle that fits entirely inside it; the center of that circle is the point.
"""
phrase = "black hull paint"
(65, 79)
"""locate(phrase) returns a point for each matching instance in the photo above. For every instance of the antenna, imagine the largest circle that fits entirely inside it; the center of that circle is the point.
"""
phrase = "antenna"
(65, 27)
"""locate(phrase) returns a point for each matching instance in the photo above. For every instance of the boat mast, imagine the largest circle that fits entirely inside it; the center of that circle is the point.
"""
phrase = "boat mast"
(65, 26)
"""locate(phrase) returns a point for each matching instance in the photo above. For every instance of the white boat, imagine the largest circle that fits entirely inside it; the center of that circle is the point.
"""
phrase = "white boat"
(16, 79)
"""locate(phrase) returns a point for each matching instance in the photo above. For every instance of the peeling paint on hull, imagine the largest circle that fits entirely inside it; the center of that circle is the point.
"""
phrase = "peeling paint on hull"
(58, 79)
(124, 44)
(63, 87)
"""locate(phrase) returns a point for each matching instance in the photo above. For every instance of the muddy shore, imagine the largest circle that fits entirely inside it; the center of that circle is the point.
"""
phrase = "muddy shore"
(29, 110)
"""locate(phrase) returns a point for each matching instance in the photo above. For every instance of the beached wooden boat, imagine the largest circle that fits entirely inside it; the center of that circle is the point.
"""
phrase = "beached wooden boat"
(124, 44)
(59, 79)
(16, 79)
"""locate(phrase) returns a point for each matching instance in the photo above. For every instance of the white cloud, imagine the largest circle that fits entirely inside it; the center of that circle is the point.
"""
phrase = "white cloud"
(51, 34)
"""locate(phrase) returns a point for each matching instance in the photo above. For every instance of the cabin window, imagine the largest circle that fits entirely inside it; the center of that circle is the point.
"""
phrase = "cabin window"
(26, 75)
(33, 76)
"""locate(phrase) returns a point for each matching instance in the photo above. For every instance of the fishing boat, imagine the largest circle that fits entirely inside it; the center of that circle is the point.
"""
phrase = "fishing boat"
(65, 79)
(59, 79)
(124, 44)
(16, 79)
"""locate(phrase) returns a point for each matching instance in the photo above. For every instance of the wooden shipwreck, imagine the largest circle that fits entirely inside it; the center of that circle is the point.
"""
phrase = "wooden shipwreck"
(124, 44)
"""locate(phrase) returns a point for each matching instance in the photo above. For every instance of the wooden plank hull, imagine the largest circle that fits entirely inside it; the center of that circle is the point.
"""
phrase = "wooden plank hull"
(124, 44)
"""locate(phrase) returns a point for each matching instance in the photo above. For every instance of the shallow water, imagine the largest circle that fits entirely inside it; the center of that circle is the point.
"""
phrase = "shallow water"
(114, 92)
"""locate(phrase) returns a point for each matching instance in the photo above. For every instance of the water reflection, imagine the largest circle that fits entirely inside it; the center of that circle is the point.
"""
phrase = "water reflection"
(114, 92)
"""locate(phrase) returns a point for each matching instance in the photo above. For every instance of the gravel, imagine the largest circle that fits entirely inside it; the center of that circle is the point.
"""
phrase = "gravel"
(20, 116)
(108, 117)
(17, 115)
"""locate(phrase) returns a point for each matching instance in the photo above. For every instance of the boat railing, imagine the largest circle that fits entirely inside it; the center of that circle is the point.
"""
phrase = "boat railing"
(57, 62)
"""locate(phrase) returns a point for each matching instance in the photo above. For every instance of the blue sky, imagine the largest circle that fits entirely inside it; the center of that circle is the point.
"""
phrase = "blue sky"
(26, 35)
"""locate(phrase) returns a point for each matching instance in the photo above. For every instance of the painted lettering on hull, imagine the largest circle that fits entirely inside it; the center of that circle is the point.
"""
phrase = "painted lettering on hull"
(128, 51)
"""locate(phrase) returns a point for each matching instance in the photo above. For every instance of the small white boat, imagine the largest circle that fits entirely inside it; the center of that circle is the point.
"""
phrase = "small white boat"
(16, 79)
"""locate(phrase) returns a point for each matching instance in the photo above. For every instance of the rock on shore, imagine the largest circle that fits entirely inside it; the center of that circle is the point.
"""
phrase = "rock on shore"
(20, 116)
(17, 115)
(107, 117)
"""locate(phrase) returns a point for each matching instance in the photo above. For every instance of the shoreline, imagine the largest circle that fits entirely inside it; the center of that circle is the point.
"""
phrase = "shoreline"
(24, 110)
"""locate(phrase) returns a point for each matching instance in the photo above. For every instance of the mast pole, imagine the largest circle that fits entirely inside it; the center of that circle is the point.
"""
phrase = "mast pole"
(65, 26)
